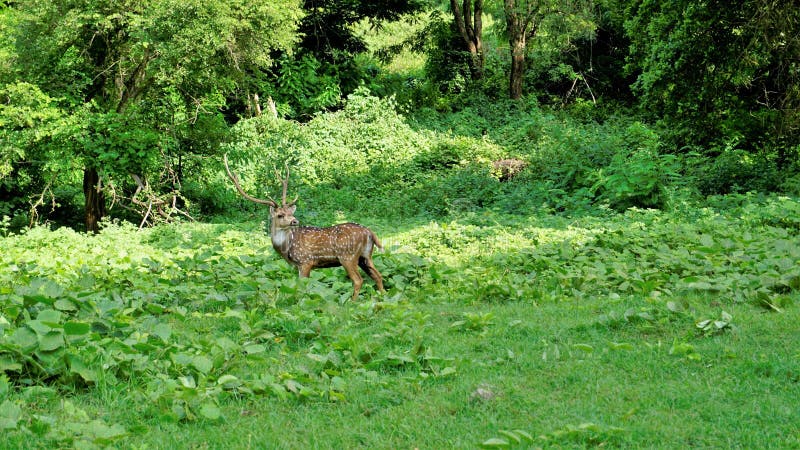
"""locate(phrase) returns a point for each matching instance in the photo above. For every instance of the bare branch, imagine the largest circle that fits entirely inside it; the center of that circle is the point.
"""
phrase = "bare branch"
(40, 201)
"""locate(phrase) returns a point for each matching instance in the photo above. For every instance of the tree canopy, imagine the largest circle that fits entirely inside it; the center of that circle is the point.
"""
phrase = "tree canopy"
(126, 79)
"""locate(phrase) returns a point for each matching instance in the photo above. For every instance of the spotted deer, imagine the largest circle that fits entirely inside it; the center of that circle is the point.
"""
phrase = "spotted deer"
(348, 244)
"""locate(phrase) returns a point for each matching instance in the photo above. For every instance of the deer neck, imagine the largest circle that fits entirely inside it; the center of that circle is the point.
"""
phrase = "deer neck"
(281, 240)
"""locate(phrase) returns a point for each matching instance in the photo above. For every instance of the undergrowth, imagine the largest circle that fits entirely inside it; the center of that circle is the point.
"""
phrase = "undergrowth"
(197, 323)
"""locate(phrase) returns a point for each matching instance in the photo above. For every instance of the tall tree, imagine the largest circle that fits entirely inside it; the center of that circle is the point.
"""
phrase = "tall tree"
(525, 18)
(128, 71)
(469, 21)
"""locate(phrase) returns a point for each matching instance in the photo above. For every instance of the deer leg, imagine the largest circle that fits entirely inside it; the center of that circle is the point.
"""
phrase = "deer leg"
(352, 271)
(368, 267)
(304, 270)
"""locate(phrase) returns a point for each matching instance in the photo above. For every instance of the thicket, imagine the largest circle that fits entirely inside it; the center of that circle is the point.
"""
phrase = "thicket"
(368, 158)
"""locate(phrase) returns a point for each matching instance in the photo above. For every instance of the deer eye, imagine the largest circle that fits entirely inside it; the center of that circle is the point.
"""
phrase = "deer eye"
(280, 216)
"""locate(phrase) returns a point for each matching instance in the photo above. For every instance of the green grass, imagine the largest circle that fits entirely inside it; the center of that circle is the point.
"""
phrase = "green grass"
(580, 332)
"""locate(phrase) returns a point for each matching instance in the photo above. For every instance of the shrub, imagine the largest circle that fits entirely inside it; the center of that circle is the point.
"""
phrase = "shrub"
(639, 179)
(734, 171)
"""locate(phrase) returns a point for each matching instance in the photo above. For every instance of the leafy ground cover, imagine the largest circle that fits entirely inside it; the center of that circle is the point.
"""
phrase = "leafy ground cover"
(642, 329)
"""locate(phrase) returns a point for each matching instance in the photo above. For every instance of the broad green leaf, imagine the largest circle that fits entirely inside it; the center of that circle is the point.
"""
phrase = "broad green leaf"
(400, 358)
(590, 426)
(620, 346)
(707, 241)
(50, 315)
(228, 381)
(178, 411)
(183, 359)
(38, 326)
(293, 386)
(674, 307)
(227, 344)
(24, 338)
(41, 424)
(79, 367)
(703, 324)
(103, 433)
(338, 384)
(188, 382)
(449, 370)
(63, 304)
(145, 347)
(511, 435)
(253, 349)
(51, 341)
(586, 348)
(316, 357)
(210, 411)
(7, 363)
(524, 435)
(163, 331)
(77, 328)
(154, 308)
(202, 363)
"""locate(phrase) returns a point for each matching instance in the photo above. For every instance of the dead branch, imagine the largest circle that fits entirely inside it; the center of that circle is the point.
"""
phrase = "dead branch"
(40, 201)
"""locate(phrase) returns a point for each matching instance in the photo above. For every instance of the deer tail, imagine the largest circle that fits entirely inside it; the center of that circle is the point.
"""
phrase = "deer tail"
(375, 239)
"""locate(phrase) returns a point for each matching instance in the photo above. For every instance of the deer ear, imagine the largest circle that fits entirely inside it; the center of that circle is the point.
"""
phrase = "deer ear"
(292, 209)
(271, 210)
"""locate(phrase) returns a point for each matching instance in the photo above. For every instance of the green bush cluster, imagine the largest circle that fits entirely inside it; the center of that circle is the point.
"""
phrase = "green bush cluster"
(364, 158)
(370, 159)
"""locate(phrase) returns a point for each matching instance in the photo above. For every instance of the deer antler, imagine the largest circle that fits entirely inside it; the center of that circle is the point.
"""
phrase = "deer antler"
(244, 194)
(285, 182)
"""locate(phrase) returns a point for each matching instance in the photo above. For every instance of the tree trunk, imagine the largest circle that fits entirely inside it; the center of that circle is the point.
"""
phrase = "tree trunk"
(522, 21)
(517, 67)
(477, 61)
(468, 20)
(516, 38)
(95, 200)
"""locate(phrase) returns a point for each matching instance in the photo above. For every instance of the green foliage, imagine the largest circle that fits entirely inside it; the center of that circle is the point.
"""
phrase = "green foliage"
(710, 327)
(35, 165)
(119, 143)
(734, 171)
(718, 71)
(324, 65)
(107, 339)
(447, 65)
(302, 88)
(328, 30)
(552, 61)
(585, 434)
(129, 81)
(617, 162)
(639, 179)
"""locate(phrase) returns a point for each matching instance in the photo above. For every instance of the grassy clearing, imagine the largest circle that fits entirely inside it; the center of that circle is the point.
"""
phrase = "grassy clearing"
(647, 329)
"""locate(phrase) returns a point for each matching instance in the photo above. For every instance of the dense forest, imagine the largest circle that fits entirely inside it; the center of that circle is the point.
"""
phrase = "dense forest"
(124, 108)
(589, 211)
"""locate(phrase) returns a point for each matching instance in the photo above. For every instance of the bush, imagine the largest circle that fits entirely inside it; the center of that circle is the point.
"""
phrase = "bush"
(734, 171)
(639, 179)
